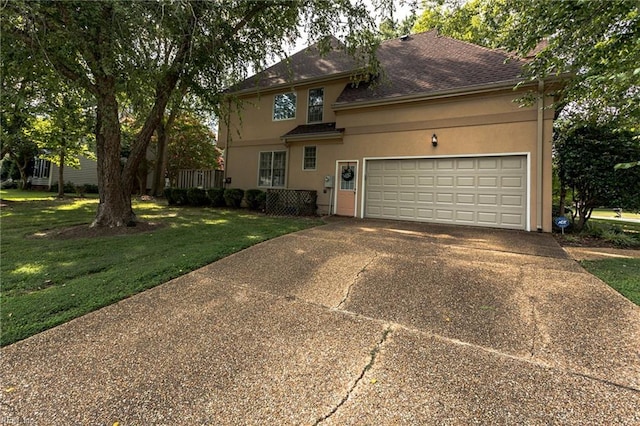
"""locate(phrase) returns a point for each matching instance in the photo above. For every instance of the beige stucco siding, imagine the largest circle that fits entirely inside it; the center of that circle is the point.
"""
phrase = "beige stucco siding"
(252, 122)
(475, 125)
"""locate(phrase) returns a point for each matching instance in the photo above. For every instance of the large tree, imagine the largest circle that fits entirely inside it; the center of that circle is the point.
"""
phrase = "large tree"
(110, 48)
(586, 156)
(597, 43)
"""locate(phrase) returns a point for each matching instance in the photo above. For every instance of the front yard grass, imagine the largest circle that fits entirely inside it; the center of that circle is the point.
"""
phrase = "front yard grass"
(621, 274)
(48, 280)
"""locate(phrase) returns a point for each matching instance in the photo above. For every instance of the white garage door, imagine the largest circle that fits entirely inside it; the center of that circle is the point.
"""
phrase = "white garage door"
(479, 191)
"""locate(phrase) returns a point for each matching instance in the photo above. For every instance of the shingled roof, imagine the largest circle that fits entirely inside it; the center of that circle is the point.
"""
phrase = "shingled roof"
(427, 63)
(418, 64)
(307, 64)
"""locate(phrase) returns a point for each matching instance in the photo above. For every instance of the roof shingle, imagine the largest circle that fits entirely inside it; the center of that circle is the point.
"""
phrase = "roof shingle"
(412, 65)
(428, 63)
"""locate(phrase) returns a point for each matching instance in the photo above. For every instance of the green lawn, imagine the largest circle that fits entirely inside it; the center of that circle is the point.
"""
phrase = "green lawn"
(48, 281)
(611, 214)
(621, 274)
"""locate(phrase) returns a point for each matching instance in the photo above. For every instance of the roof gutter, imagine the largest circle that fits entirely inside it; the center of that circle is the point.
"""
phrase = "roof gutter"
(311, 136)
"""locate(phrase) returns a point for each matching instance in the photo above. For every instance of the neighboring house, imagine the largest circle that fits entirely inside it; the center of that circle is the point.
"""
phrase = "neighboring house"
(45, 173)
(438, 137)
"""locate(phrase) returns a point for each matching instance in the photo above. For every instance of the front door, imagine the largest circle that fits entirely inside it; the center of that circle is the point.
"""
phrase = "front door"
(346, 195)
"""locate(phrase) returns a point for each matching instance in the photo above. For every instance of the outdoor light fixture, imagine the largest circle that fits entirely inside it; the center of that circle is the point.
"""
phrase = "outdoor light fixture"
(434, 140)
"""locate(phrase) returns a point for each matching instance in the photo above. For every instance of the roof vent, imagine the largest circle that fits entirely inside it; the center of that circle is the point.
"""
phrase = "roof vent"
(404, 37)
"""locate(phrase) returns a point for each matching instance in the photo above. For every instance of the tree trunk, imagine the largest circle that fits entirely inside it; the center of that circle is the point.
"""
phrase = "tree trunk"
(61, 175)
(114, 208)
(161, 161)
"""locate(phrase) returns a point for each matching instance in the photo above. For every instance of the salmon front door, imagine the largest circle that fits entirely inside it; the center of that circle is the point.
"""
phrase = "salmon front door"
(346, 194)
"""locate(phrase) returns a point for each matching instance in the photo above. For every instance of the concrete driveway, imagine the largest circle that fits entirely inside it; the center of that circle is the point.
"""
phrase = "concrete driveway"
(357, 322)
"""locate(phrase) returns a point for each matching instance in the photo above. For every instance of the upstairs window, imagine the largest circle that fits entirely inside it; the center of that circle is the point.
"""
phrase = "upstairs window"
(316, 105)
(284, 106)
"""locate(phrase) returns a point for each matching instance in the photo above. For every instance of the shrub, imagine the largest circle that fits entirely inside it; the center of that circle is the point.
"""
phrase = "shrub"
(197, 197)
(233, 197)
(91, 188)
(255, 199)
(176, 196)
(216, 197)
(619, 239)
(69, 188)
(168, 194)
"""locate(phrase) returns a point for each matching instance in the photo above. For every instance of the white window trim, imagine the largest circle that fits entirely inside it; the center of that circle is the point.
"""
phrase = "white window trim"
(304, 148)
(308, 93)
(286, 153)
(273, 107)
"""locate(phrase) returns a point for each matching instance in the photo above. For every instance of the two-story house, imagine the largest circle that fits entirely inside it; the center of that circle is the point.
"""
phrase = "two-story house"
(437, 136)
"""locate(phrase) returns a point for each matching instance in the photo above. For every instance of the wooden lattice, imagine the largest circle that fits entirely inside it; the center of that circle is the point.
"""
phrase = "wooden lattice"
(290, 202)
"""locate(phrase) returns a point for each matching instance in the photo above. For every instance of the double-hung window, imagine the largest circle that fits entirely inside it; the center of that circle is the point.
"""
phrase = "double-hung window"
(284, 106)
(316, 105)
(309, 159)
(272, 169)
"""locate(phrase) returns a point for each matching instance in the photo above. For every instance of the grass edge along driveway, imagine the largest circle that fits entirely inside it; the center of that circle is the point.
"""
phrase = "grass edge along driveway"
(47, 281)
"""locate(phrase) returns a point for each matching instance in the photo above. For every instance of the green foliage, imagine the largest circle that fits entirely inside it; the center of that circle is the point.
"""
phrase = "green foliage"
(197, 197)
(255, 199)
(586, 156)
(474, 21)
(133, 56)
(176, 196)
(70, 277)
(233, 197)
(191, 146)
(216, 195)
(596, 43)
(69, 188)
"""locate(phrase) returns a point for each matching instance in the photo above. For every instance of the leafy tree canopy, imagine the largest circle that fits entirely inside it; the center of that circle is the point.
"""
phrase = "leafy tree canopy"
(597, 42)
(145, 50)
(586, 156)
(191, 146)
(473, 21)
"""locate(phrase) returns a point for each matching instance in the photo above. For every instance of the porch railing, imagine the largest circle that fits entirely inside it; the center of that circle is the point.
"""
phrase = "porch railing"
(204, 179)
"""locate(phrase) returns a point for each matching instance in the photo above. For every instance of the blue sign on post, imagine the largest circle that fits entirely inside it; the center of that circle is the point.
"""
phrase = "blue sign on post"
(561, 222)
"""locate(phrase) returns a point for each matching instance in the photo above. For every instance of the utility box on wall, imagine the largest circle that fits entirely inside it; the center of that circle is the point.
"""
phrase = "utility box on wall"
(328, 181)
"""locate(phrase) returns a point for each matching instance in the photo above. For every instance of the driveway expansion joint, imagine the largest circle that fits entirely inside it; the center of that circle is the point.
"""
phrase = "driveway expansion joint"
(372, 359)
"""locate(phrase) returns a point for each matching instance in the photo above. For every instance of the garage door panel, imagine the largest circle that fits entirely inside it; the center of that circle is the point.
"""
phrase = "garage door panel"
(425, 197)
(468, 181)
(512, 182)
(463, 199)
(488, 181)
(446, 181)
(484, 191)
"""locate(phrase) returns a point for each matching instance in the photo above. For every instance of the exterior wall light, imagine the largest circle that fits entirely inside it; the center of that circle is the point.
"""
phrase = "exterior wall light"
(434, 140)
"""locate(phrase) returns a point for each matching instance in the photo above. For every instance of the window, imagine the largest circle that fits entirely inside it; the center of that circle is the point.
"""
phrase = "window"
(272, 169)
(316, 105)
(309, 159)
(41, 168)
(284, 106)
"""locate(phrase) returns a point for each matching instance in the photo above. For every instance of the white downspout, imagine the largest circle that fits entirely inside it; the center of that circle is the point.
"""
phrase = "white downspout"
(539, 158)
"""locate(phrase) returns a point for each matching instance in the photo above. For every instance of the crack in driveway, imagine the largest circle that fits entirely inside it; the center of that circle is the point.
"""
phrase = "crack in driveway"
(372, 359)
(355, 280)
